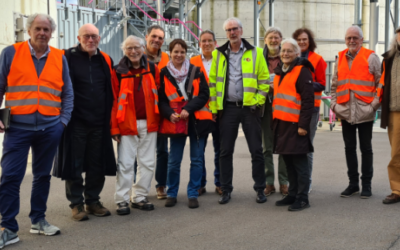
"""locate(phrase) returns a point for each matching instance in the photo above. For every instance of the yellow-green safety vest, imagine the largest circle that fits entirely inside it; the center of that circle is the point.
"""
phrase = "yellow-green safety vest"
(255, 79)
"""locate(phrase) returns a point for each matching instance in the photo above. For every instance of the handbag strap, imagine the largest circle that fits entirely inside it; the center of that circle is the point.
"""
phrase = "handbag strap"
(190, 83)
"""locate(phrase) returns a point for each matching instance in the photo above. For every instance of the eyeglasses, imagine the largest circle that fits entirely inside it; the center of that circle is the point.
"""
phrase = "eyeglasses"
(355, 38)
(136, 48)
(87, 37)
(233, 29)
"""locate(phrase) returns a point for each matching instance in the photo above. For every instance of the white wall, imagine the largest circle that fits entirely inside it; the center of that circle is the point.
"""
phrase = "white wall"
(25, 7)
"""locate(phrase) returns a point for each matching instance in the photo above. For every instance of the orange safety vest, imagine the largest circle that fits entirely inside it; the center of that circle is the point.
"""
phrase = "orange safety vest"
(358, 79)
(379, 89)
(164, 60)
(126, 114)
(198, 62)
(172, 94)
(314, 58)
(27, 93)
(287, 102)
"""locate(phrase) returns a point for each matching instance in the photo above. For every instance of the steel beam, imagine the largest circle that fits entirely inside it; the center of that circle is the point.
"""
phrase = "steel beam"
(387, 24)
(181, 12)
(396, 14)
(199, 17)
(374, 24)
(358, 12)
(271, 13)
(256, 24)
(159, 10)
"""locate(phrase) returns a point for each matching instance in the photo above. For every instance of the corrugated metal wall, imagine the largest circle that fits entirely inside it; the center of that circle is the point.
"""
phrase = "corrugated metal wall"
(71, 17)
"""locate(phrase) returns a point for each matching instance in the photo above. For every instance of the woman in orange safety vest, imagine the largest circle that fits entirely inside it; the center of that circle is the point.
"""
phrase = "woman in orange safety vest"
(292, 111)
(174, 83)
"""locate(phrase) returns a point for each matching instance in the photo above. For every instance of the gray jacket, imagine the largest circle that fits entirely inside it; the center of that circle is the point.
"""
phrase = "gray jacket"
(356, 111)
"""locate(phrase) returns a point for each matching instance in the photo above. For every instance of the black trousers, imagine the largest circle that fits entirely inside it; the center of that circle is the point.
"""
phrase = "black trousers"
(350, 141)
(87, 146)
(229, 126)
(298, 175)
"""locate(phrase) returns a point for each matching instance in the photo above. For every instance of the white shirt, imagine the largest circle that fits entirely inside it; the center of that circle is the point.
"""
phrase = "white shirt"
(206, 64)
(182, 88)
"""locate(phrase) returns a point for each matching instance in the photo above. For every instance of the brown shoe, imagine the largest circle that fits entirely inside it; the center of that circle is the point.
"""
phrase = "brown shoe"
(97, 209)
(79, 213)
(161, 193)
(193, 203)
(391, 199)
(284, 190)
(201, 191)
(269, 189)
(218, 190)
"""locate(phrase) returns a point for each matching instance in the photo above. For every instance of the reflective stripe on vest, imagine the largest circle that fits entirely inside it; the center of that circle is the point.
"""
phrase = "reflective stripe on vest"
(358, 79)
(287, 102)
(27, 93)
(172, 94)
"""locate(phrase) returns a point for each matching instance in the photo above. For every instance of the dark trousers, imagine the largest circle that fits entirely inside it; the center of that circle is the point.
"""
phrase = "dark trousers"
(87, 145)
(229, 125)
(298, 175)
(350, 141)
(216, 144)
(16, 145)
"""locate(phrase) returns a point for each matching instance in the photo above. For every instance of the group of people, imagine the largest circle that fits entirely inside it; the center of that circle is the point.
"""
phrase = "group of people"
(68, 105)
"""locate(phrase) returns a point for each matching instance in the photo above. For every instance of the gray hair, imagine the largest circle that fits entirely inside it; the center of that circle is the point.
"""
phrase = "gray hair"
(130, 38)
(360, 32)
(31, 18)
(232, 19)
(154, 27)
(273, 30)
(293, 43)
(393, 46)
(207, 32)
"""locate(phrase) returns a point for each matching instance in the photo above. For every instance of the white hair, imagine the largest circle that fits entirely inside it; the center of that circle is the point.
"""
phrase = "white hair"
(237, 20)
(293, 43)
(130, 38)
(273, 30)
(394, 44)
(31, 18)
(360, 32)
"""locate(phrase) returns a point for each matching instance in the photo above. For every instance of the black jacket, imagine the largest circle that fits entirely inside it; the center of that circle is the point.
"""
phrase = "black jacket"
(388, 60)
(201, 127)
(64, 166)
(286, 137)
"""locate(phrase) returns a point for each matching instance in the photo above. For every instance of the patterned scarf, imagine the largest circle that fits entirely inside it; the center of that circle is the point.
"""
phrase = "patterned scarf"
(179, 75)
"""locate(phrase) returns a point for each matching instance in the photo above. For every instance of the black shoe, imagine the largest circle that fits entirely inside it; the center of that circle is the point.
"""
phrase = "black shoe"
(143, 205)
(225, 197)
(193, 203)
(286, 201)
(170, 202)
(299, 205)
(123, 208)
(261, 198)
(366, 192)
(350, 191)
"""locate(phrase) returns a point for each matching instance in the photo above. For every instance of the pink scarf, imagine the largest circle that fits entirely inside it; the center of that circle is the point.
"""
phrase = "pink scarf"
(179, 75)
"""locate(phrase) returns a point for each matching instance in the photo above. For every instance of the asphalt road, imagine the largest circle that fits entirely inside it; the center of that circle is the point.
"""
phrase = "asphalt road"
(332, 222)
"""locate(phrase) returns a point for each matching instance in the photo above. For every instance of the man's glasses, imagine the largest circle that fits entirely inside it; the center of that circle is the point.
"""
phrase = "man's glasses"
(133, 48)
(233, 29)
(87, 37)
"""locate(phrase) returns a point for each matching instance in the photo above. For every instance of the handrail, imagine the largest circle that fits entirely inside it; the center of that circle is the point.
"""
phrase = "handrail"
(195, 24)
(148, 5)
(179, 21)
(144, 12)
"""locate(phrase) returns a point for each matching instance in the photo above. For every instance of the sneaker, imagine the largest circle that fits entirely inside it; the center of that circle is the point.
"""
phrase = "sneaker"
(269, 189)
(286, 201)
(161, 193)
(299, 205)
(97, 209)
(123, 208)
(7, 237)
(143, 205)
(79, 213)
(350, 191)
(170, 202)
(366, 192)
(43, 227)
(193, 203)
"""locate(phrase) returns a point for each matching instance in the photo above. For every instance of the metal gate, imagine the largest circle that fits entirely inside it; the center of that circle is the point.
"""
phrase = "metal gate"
(72, 17)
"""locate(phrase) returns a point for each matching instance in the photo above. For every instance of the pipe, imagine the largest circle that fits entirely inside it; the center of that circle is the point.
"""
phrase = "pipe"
(396, 14)
(181, 10)
(387, 24)
(373, 27)
(271, 13)
(199, 18)
(256, 24)
(358, 12)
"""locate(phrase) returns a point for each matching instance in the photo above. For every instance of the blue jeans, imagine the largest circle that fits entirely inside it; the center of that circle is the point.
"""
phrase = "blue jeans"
(16, 145)
(313, 130)
(196, 164)
(215, 136)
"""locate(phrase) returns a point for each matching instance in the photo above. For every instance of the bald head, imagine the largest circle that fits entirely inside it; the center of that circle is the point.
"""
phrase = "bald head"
(88, 36)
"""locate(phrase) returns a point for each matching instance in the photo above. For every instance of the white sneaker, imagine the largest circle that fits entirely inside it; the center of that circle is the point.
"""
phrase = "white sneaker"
(43, 227)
